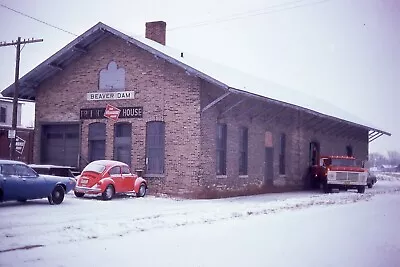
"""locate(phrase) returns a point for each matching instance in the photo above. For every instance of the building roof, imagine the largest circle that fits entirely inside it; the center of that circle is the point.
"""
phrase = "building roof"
(228, 78)
(8, 100)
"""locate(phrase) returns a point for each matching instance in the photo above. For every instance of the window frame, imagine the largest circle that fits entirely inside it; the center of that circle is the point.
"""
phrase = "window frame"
(122, 141)
(3, 114)
(243, 150)
(155, 148)
(221, 148)
(94, 136)
(282, 154)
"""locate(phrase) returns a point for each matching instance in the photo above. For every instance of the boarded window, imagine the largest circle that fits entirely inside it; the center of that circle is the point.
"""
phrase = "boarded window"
(3, 114)
(155, 147)
(221, 148)
(123, 142)
(97, 141)
(243, 150)
(282, 154)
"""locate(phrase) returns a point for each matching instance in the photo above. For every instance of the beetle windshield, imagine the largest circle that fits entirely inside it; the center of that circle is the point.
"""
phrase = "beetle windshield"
(94, 167)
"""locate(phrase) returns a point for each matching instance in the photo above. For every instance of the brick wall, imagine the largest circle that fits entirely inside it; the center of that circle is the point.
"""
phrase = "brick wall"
(165, 91)
(259, 117)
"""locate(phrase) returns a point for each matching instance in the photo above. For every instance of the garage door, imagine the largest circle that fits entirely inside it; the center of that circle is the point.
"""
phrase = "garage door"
(60, 144)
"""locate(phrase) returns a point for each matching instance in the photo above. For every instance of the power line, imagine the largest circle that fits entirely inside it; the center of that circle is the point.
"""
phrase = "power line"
(268, 10)
(38, 20)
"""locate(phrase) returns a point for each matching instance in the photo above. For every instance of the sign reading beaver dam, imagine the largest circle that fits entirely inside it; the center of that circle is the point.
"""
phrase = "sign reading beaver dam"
(99, 113)
(111, 85)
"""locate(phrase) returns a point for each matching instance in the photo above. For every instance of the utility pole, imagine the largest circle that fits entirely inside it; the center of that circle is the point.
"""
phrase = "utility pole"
(17, 43)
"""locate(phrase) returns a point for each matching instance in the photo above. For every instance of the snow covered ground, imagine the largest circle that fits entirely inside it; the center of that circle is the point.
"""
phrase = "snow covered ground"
(291, 229)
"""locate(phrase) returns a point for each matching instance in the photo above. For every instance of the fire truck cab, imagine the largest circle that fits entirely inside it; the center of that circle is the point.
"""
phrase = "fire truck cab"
(340, 172)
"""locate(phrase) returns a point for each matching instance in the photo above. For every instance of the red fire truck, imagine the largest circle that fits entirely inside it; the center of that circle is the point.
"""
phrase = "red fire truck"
(340, 172)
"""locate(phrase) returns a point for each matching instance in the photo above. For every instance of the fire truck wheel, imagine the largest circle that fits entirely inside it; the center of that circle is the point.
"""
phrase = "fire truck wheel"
(327, 188)
(361, 189)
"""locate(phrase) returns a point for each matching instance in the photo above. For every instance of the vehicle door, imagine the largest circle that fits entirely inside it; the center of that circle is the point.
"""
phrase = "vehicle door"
(32, 185)
(128, 179)
(115, 175)
(10, 182)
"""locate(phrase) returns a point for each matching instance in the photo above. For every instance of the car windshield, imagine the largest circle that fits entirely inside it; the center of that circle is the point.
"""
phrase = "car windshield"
(344, 162)
(94, 167)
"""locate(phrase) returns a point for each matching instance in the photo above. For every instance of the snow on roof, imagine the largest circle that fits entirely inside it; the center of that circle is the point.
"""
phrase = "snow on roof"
(226, 77)
(235, 79)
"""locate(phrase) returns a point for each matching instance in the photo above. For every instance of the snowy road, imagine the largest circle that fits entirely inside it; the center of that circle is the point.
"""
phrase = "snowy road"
(292, 229)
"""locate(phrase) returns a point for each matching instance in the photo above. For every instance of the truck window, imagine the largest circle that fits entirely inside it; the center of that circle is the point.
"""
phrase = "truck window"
(344, 162)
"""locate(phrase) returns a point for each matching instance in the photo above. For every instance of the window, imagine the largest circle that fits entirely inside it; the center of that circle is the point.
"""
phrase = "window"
(94, 167)
(155, 146)
(8, 169)
(122, 142)
(282, 154)
(97, 141)
(115, 171)
(24, 171)
(3, 114)
(243, 150)
(221, 149)
(125, 170)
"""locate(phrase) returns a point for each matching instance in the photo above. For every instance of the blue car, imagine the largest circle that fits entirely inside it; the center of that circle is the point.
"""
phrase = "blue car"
(20, 182)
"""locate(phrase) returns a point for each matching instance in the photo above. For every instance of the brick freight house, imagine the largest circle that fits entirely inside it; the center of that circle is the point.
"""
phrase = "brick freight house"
(195, 128)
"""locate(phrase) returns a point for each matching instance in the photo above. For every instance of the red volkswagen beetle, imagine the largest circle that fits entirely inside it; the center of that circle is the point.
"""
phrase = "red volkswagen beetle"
(109, 177)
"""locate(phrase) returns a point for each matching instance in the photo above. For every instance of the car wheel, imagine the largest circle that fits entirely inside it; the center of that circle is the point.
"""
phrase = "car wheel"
(57, 196)
(79, 194)
(108, 193)
(361, 189)
(142, 190)
(369, 185)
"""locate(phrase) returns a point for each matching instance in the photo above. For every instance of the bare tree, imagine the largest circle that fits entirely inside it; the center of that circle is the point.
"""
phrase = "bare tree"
(376, 159)
(393, 158)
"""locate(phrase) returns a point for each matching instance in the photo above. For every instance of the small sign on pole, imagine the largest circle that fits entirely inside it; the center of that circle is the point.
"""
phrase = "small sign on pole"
(11, 134)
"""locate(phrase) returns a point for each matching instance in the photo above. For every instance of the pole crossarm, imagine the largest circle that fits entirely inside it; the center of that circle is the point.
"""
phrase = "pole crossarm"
(25, 41)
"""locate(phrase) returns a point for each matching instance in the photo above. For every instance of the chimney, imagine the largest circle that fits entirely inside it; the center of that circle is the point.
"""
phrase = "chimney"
(155, 31)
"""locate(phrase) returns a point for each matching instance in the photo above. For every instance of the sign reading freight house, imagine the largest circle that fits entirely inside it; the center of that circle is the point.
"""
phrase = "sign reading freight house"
(98, 113)
(112, 112)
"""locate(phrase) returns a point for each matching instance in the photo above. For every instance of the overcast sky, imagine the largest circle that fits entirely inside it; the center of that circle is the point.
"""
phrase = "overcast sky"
(345, 51)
